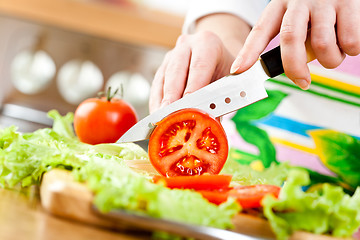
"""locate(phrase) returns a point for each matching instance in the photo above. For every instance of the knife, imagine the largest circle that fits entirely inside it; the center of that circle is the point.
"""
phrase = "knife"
(223, 96)
(151, 224)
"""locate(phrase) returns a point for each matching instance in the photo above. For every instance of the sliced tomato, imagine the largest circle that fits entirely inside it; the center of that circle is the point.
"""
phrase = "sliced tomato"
(251, 196)
(216, 196)
(202, 182)
(188, 142)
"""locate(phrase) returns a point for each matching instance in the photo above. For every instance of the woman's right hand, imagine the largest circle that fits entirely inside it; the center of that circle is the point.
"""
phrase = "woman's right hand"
(196, 60)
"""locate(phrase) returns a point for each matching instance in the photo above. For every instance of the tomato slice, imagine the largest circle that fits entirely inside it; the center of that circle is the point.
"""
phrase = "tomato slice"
(202, 182)
(251, 196)
(188, 142)
(216, 196)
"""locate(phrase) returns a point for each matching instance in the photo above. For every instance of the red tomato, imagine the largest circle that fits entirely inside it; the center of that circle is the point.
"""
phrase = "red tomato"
(216, 196)
(99, 120)
(188, 142)
(251, 196)
(198, 182)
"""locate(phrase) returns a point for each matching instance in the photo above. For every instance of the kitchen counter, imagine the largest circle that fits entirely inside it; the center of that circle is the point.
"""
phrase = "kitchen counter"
(130, 24)
(22, 218)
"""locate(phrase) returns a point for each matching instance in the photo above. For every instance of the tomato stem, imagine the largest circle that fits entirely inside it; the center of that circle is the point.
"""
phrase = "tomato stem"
(110, 96)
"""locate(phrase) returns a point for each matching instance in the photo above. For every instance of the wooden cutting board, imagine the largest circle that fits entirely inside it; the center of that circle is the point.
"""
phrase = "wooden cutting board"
(66, 198)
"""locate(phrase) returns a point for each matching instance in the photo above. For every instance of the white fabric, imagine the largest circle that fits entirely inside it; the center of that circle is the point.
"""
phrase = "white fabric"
(248, 10)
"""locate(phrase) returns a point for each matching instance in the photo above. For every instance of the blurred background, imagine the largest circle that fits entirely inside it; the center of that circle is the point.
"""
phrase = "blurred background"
(54, 54)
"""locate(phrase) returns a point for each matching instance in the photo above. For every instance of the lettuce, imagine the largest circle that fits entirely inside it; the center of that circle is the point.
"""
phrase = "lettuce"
(117, 187)
(246, 175)
(25, 157)
(328, 210)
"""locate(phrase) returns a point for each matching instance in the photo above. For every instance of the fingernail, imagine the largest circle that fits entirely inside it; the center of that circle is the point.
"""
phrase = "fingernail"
(164, 104)
(303, 84)
(236, 65)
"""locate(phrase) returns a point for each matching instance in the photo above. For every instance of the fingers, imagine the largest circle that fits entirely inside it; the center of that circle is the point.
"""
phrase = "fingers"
(348, 28)
(266, 29)
(195, 61)
(293, 34)
(176, 72)
(156, 91)
(323, 36)
(203, 62)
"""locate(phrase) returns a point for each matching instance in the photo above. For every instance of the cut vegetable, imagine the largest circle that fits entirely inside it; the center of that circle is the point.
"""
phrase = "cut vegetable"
(202, 182)
(188, 142)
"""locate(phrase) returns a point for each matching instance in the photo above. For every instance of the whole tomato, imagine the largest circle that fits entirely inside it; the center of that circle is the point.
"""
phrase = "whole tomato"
(103, 120)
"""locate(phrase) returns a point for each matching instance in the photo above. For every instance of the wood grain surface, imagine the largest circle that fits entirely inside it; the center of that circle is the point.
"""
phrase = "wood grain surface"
(23, 218)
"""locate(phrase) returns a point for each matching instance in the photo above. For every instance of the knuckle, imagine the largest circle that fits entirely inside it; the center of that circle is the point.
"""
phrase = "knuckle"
(258, 28)
(182, 39)
(288, 34)
(350, 45)
(199, 65)
(207, 36)
(320, 43)
(174, 70)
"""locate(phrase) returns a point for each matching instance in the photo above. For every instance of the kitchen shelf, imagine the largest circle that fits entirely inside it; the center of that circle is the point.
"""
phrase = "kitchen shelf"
(131, 24)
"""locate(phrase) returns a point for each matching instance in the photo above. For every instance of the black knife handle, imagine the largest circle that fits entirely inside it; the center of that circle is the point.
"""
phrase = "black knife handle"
(272, 61)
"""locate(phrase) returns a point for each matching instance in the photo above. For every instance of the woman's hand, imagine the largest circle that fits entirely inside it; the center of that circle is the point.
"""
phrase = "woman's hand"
(195, 61)
(198, 59)
(335, 31)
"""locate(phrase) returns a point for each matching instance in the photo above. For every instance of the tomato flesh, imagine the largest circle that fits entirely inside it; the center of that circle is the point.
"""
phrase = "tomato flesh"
(251, 196)
(201, 182)
(208, 141)
(188, 142)
(216, 196)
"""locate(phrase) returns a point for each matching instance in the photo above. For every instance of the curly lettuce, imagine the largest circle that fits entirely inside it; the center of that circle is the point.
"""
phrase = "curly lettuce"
(25, 157)
(326, 210)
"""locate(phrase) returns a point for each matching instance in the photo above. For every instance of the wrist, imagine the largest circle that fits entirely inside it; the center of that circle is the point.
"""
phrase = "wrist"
(231, 29)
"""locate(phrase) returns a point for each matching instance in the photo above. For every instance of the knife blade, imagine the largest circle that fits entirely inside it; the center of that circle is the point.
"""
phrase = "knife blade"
(222, 96)
(174, 227)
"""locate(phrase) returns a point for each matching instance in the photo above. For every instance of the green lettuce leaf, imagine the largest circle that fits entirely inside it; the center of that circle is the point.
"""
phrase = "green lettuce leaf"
(328, 210)
(29, 155)
(275, 174)
(128, 151)
(62, 124)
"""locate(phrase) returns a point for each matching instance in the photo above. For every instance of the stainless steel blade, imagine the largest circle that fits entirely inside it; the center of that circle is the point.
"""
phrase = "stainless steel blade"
(218, 98)
(182, 229)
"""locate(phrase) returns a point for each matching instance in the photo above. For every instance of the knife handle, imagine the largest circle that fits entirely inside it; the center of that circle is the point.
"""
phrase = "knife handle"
(273, 62)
